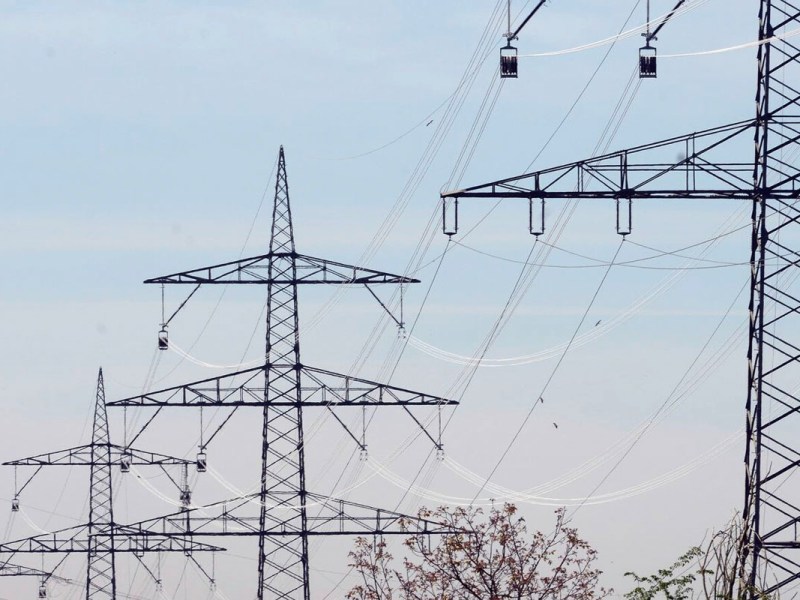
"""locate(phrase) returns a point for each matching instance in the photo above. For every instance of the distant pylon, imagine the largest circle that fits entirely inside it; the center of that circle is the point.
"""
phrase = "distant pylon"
(101, 537)
(101, 581)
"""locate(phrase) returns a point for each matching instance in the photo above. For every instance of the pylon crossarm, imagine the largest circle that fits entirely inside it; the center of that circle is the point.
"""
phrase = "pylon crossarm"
(129, 540)
(71, 539)
(327, 516)
(9, 570)
(126, 539)
(696, 165)
(255, 270)
(318, 388)
(82, 456)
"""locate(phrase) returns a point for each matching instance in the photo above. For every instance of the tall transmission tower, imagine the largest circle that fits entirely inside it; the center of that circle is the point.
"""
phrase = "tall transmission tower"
(284, 524)
(770, 556)
(102, 533)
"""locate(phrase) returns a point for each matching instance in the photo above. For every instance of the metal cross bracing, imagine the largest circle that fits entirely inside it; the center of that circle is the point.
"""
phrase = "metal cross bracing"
(283, 387)
(332, 516)
(101, 537)
(713, 164)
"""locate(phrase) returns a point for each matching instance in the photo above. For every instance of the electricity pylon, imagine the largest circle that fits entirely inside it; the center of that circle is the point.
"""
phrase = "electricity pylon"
(770, 556)
(102, 533)
(283, 387)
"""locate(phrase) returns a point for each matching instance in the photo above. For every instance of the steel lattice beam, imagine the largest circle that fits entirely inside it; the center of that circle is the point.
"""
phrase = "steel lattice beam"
(309, 271)
(83, 456)
(126, 539)
(318, 387)
(696, 165)
(329, 517)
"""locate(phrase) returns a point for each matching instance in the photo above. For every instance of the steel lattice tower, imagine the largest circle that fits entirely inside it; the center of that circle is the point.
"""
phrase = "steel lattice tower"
(282, 451)
(714, 167)
(289, 387)
(101, 582)
(100, 538)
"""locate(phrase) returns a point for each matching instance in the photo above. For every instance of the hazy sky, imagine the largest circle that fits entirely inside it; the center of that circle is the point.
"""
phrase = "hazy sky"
(139, 138)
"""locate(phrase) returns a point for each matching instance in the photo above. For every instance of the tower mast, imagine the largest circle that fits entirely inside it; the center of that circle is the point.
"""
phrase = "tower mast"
(289, 388)
(282, 451)
(101, 582)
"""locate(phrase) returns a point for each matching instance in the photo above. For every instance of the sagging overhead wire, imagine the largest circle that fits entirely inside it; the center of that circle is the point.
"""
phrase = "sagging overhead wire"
(623, 35)
(683, 389)
(667, 405)
(556, 130)
(442, 130)
(778, 36)
(693, 377)
(467, 151)
(508, 495)
(632, 264)
(425, 121)
(585, 338)
(527, 276)
(553, 373)
(534, 495)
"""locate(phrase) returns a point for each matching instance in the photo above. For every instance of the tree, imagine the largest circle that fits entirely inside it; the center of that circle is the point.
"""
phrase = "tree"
(490, 558)
(674, 582)
(714, 571)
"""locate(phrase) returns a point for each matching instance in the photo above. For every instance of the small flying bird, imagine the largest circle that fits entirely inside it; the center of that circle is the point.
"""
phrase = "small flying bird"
(555, 425)
(429, 122)
(541, 399)
(598, 322)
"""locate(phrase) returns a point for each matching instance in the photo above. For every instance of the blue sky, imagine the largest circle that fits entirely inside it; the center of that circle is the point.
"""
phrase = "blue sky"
(139, 139)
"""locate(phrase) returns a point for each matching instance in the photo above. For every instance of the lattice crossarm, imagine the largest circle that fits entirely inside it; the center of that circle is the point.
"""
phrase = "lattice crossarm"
(330, 516)
(255, 270)
(79, 455)
(695, 165)
(82, 456)
(319, 387)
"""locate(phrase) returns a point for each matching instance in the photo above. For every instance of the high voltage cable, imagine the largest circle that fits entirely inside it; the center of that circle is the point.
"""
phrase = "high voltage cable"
(673, 398)
(510, 495)
(566, 208)
(633, 263)
(753, 44)
(553, 373)
(622, 35)
(574, 104)
(422, 122)
(727, 348)
(742, 329)
(596, 332)
(442, 129)
(582, 92)
(369, 345)
(665, 404)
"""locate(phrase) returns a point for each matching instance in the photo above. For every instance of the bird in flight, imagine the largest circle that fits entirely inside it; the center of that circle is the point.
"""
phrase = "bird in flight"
(598, 323)
(429, 122)
(555, 425)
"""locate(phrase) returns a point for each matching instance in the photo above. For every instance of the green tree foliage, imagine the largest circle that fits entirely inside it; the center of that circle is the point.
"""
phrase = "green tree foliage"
(717, 570)
(673, 583)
